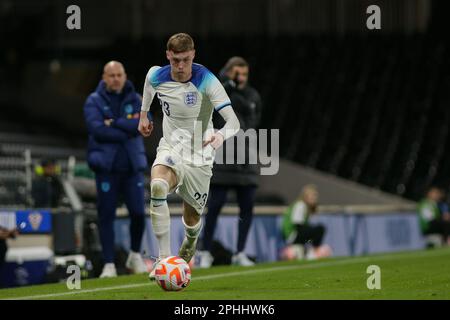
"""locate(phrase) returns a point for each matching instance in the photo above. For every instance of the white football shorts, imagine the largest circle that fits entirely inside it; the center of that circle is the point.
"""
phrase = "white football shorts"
(193, 181)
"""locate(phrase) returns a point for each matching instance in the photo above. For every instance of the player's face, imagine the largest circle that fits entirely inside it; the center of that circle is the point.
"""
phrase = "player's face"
(181, 64)
(311, 197)
(435, 194)
(115, 77)
(240, 75)
(49, 170)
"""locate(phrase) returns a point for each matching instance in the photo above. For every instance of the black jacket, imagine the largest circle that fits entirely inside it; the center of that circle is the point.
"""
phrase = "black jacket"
(47, 192)
(247, 106)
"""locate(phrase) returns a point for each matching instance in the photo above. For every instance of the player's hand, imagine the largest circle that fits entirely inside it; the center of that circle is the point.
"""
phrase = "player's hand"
(108, 122)
(216, 140)
(145, 127)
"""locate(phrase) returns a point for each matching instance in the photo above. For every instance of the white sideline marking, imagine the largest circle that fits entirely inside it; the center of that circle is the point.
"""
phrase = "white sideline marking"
(228, 274)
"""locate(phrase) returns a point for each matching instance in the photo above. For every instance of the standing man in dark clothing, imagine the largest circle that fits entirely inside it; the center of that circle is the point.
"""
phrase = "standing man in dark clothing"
(243, 178)
(117, 156)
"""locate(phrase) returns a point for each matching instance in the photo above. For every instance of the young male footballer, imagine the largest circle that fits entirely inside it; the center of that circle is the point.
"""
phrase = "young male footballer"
(189, 94)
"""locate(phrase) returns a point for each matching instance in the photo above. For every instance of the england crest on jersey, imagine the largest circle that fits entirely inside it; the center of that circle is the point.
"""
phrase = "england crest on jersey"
(190, 98)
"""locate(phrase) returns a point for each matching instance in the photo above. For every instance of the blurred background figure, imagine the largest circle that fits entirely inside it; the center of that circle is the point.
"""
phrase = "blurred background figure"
(47, 189)
(298, 232)
(434, 218)
(117, 156)
(362, 114)
(4, 235)
(242, 178)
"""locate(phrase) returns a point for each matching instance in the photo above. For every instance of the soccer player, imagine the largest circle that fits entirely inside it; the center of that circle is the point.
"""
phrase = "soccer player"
(189, 94)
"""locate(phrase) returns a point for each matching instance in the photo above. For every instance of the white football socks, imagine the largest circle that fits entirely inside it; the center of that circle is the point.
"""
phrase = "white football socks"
(192, 232)
(160, 215)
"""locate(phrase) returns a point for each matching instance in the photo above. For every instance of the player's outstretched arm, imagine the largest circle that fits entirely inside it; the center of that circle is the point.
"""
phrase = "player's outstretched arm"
(230, 128)
(145, 126)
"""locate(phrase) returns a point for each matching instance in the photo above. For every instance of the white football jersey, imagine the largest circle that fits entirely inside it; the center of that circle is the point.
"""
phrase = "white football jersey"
(188, 108)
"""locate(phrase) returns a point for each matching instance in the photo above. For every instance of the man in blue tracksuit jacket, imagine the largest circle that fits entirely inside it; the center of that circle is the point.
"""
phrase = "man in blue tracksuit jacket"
(117, 156)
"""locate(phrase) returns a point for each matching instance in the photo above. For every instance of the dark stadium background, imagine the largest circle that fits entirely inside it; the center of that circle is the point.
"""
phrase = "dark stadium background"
(369, 106)
(363, 112)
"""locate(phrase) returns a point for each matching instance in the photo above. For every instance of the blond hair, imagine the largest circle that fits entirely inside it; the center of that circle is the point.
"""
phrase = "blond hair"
(307, 188)
(312, 208)
(180, 42)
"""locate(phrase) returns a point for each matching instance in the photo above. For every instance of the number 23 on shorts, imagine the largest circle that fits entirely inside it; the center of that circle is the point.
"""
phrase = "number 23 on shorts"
(203, 198)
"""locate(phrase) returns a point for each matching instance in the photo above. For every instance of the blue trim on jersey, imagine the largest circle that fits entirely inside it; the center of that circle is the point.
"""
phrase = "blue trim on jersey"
(160, 76)
(201, 76)
(206, 81)
(226, 104)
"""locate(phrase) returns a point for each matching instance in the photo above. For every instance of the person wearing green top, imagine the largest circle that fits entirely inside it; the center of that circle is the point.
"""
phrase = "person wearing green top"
(431, 219)
(296, 228)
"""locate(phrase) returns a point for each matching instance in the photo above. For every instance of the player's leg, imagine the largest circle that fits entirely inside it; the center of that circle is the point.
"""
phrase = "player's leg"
(194, 192)
(192, 225)
(217, 198)
(316, 235)
(107, 187)
(246, 200)
(446, 229)
(305, 234)
(310, 234)
(163, 180)
(318, 231)
(435, 226)
(134, 199)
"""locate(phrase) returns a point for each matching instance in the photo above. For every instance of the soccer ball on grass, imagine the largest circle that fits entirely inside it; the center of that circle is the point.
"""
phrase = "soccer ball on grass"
(173, 274)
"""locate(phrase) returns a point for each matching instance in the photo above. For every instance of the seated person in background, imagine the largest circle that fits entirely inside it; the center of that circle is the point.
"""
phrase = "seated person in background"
(432, 220)
(297, 230)
(47, 189)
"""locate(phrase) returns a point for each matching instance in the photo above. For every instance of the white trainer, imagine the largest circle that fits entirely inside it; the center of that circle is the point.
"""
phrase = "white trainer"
(187, 249)
(151, 276)
(135, 263)
(109, 271)
(241, 259)
(206, 259)
(311, 254)
(299, 251)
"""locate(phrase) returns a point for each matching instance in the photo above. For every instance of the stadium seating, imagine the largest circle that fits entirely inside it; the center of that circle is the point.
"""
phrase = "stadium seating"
(14, 192)
(369, 109)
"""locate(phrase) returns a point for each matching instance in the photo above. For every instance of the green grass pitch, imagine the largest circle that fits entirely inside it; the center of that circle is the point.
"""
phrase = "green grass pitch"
(406, 275)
